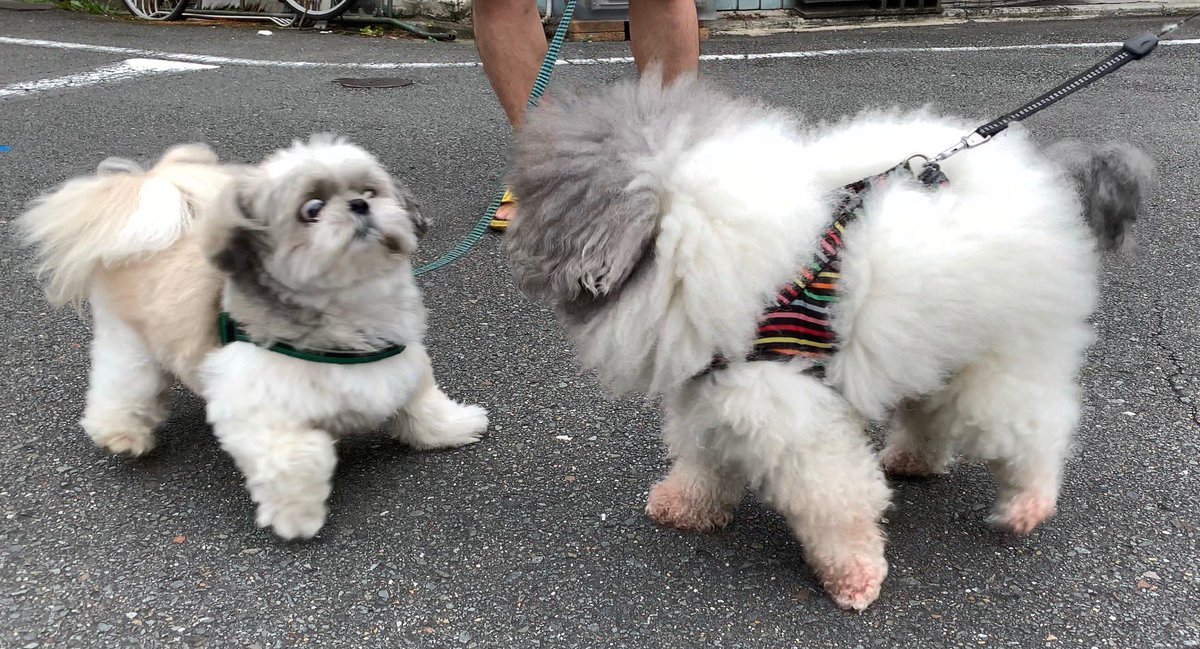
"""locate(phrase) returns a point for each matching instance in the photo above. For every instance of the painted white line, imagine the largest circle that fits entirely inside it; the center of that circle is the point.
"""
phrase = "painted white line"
(816, 54)
(127, 69)
(804, 54)
(223, 60)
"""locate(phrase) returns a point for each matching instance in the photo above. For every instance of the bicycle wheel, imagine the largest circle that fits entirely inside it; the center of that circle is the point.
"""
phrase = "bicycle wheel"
(309, 10)
(157, 9)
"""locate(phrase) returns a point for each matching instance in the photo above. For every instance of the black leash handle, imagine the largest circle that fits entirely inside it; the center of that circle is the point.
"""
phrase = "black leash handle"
(1132, 50)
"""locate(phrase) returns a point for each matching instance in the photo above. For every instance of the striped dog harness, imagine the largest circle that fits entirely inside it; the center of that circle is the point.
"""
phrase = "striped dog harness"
(796, 324)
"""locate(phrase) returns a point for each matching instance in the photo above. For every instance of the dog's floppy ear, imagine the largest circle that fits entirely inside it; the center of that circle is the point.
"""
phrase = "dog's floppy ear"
(588, 209)
(233, 231)
(406, 198)
(566, 245)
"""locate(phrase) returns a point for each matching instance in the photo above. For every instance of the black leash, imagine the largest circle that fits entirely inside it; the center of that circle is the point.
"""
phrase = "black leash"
(1132, 50)
(779, 342)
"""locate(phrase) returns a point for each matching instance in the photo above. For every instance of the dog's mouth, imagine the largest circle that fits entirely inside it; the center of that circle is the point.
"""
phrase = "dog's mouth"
(363, 226)
(391, 242)
(366, 228)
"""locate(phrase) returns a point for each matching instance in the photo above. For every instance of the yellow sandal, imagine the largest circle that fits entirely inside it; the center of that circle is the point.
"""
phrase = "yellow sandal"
(500, 225)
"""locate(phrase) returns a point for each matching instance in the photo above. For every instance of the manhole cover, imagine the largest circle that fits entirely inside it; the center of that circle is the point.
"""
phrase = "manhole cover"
(373, 82)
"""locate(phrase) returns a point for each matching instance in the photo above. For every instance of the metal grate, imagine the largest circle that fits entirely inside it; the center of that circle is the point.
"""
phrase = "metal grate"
(852, 8)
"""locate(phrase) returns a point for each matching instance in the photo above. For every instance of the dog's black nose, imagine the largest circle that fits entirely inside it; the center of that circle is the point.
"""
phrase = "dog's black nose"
(359, 206)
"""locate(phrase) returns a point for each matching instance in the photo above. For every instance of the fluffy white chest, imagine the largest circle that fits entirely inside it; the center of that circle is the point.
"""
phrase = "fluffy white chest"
(244, 382)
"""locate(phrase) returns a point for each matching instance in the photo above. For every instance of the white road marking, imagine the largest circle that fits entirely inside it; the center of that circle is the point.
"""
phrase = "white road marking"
(803, 54)
(127, 69)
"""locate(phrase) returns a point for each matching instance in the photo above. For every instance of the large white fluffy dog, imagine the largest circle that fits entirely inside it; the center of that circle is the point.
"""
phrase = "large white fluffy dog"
(309, 254)
(658, 224)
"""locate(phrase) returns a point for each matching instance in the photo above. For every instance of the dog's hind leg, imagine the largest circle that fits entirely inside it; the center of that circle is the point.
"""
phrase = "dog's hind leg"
(699, 493)
(917, 444)
(288, 470)
(431, 419)
(1019, 416)
(126, 386)
(1029, 470)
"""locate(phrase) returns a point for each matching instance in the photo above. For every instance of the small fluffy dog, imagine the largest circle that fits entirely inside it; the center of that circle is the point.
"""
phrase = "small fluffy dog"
(309, 250)
(658, 223)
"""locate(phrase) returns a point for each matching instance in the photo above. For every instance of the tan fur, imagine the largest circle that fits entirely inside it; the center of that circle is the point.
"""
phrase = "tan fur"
(171, 300)
(91, 222)
(902, 463)
(70, 258)
(686, 506)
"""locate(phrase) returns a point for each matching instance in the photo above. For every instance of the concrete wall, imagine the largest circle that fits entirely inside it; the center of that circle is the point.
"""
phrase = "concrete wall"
(447, 10)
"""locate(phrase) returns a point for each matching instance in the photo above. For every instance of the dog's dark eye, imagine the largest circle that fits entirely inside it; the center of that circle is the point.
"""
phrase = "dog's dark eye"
(310, 210)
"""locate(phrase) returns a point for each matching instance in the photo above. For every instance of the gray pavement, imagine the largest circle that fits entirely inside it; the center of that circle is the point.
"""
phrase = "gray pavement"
(524, 539)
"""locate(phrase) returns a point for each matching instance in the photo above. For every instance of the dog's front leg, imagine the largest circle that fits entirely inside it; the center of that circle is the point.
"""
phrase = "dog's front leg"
(804, 449)
(833, 494)
(288, 470)
(699, 493)
(431, 419)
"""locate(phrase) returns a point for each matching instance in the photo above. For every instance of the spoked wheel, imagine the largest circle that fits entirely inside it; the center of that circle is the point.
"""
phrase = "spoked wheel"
(309, 11)
(157, 9)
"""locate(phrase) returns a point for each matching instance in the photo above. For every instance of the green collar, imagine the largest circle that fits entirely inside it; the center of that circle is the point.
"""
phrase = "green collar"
(230, 331)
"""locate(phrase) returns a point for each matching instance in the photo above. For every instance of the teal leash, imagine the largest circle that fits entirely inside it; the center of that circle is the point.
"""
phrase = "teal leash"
(539, 87)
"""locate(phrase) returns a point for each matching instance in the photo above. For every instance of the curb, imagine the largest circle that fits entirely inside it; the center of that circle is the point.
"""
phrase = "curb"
(762, 23)
(782, 21)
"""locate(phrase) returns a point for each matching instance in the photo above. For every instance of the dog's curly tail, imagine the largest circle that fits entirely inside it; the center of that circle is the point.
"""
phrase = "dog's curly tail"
(105, 218)
(1111, 180)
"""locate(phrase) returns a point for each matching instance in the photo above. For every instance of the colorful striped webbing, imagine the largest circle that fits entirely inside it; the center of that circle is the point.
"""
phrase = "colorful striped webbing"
(796, 324)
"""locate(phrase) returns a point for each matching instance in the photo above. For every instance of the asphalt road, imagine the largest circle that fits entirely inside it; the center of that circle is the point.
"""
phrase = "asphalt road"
(526, 539)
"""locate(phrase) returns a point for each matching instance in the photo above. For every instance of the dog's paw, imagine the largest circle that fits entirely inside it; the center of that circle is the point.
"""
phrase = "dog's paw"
(451, 426)
(1023, 513)
(675, 505)
(128, 443)
(292, 520)
(855, 584)
(903, 463)
(467, 426)
(129, 433)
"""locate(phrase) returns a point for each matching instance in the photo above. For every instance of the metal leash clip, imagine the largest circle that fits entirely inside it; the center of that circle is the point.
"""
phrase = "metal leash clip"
(972, 140)
(929, 173)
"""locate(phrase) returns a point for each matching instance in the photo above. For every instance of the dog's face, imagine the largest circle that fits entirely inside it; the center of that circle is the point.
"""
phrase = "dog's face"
(319, 216)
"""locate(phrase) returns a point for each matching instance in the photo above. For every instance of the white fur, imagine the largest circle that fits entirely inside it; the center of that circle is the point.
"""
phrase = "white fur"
(963, 316)
(132, 243)
(126, 386)
(278, 418)
(802, 448)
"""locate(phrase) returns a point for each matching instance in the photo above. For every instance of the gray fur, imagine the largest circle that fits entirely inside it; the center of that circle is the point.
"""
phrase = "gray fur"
(285, 273)
(1111, 180)
(404, 195)
(587, 172)
(113, 166)
(241, 257)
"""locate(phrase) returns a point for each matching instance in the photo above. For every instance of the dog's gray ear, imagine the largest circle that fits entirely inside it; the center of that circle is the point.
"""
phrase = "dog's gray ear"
(588, 210)
(411, 205)
(566, 245)
(233, 231)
